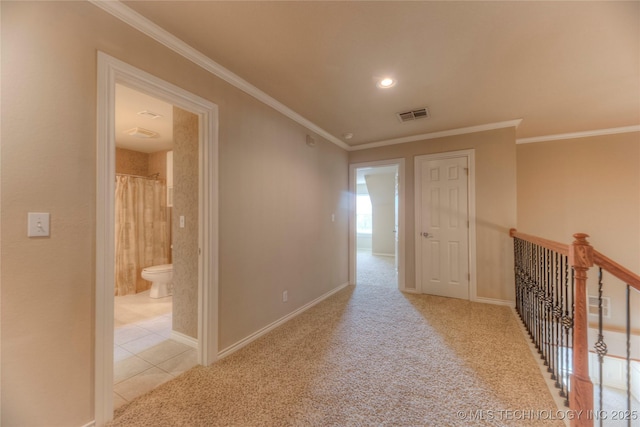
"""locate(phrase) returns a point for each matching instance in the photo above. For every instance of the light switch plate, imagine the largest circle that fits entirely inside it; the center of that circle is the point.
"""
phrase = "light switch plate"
(38, 224)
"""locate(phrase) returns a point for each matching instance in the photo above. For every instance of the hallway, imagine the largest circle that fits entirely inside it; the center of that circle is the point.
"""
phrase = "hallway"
(368, 355)
(376, 270)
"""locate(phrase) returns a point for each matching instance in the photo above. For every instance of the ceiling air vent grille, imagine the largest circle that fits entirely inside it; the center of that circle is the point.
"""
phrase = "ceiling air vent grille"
(407, 116)
(141, 133)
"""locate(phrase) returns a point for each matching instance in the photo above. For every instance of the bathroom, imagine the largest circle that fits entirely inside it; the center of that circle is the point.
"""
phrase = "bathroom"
(153, 342)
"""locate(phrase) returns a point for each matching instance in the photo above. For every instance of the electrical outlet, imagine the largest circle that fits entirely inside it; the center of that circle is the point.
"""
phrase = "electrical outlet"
(285, 296)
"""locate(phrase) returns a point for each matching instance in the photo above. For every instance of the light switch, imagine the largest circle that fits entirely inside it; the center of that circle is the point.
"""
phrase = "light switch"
(181, 221)
(38, 224)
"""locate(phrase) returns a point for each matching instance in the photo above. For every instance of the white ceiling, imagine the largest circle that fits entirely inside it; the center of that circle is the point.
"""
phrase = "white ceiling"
(562, 67)
(129, 103)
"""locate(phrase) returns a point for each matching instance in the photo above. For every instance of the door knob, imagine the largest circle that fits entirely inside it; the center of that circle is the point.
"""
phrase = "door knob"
(425, 234)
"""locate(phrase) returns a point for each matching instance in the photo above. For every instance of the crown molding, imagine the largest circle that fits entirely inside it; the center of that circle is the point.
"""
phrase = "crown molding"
(573, 135)
(147, 27)
(441, 134)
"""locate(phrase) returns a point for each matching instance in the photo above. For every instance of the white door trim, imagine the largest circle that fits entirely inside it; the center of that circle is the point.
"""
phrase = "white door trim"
(401, 220)
(110, 72)
(471, 199)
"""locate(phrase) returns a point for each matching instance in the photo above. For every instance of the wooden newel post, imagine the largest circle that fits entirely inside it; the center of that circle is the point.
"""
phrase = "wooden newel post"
(581, 394)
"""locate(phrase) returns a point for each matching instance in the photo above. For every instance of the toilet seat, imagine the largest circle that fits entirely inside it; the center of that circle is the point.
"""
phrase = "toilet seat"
(163, 268)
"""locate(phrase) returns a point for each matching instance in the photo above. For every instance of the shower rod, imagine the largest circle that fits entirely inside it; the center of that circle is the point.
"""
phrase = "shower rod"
(152, 176)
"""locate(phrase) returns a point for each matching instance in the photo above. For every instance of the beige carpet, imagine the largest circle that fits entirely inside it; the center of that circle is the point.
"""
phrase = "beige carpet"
(376, 270)
(367, 356)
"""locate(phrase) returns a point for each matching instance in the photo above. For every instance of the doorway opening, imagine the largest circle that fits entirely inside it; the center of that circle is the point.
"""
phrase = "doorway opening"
(149, 347)
(377, 255)
(201, 216)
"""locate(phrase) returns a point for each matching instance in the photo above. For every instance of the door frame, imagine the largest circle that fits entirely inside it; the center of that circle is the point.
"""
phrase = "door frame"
(471, 201)
(399, 163)
(110, 72)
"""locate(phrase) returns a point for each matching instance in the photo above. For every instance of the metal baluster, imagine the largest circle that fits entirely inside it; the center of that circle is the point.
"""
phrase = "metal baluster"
(560, 381)
(556, 335)
(600, 346)
(525, 282)
(567, 335)
(552, 318)
(518, 256)
(570, 338)
(543, 313)
(539, 259)
(547, 310)
(529, 288)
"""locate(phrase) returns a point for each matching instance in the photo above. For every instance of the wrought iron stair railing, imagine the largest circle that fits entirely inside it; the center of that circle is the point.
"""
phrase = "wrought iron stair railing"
(552, 302)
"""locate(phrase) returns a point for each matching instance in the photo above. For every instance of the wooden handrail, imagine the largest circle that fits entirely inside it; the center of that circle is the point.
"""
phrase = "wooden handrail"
(549, 244)
(615, 269)
(610, 266)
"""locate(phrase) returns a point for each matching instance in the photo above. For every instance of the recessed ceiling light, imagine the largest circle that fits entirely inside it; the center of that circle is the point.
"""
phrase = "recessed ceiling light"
(347, 135)
(386, 82)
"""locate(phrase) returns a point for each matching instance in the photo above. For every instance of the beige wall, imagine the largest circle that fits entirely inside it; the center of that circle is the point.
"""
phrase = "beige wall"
(382, 191)
(276, 200)
(276, 221)
(495, 153)
(185, 239)
(587, 185)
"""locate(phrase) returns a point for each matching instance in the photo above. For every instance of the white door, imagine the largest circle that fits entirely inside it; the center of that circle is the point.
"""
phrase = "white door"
(442, 223)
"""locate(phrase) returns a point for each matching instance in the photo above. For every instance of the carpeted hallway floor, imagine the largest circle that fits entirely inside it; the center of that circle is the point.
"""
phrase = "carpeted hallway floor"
(376, 270)
(368, 355)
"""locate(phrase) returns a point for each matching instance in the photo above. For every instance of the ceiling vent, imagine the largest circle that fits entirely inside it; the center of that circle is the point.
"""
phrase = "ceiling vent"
(141, 133)
(407, 116)
(149, 114)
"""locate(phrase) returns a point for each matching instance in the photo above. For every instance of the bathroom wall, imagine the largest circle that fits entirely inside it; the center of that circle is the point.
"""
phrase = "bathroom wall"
(185, 239)
(144, 164)
(132, 162)
(158, 164)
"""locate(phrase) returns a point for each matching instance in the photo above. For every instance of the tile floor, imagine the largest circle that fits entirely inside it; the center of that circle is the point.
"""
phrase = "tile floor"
(144, 354)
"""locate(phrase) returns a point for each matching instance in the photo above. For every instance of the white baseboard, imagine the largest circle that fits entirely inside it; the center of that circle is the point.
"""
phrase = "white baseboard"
(245, 341)
(91, 424)
(495, 301)
(184, 339)
(381, 254)
(551, 385)
(614, 373)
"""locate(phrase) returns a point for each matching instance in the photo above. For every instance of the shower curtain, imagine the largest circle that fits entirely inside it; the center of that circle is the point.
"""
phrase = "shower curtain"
(141, 230)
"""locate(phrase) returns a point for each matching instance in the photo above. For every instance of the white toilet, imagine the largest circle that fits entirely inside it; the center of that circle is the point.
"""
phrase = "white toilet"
(160, 277)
